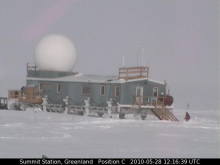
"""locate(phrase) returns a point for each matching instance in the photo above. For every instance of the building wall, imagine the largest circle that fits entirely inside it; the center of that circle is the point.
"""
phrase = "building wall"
(74, 91)
(129, 90)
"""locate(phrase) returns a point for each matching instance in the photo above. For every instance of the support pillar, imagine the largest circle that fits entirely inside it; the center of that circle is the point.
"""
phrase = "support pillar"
(109, 107)
(66, 103)
(45, 99)
(87, 106)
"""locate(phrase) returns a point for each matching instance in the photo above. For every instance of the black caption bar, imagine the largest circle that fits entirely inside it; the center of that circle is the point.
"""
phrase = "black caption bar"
(109, 161)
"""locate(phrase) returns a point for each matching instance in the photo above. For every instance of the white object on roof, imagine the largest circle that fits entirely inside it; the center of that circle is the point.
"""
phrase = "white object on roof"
(55, 53)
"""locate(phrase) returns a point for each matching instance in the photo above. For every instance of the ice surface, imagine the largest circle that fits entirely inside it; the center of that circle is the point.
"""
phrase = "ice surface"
(30, 134)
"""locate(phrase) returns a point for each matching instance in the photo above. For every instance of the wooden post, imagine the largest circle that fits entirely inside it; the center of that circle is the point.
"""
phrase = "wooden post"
(165, 87)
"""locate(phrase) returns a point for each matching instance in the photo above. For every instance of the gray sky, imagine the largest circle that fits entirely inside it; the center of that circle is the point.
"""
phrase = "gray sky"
(180, 40)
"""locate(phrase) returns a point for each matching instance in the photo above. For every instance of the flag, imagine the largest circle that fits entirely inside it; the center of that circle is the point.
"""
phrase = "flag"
(187, 117)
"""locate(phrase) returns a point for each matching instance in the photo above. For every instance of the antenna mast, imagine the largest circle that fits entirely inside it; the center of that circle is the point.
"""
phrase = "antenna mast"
(142, 54)
(137, 54)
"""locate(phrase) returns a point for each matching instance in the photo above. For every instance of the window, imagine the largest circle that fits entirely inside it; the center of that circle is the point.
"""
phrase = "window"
(155, 91)
(86, 90)
(139, 91)
(102, 90)
(117, 91)
(40, 86)
(139, 94)
(58, 88)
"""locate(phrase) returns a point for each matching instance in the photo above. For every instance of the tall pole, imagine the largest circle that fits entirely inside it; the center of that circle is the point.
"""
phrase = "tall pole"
(137, 54)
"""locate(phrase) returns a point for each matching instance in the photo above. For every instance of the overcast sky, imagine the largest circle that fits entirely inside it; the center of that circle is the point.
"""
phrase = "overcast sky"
(180, 39)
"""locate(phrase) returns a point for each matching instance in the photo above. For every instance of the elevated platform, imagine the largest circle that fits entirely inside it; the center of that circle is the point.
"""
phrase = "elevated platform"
(26, 95)
(131, 73)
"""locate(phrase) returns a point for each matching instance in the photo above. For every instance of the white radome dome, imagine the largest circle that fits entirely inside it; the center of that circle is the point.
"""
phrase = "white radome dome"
(55, 52)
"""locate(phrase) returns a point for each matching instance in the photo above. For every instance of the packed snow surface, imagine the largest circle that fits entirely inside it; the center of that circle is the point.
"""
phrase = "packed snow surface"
(31, 134)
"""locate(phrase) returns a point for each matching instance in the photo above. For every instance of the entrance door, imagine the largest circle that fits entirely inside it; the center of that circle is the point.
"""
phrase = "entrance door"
(139, 94)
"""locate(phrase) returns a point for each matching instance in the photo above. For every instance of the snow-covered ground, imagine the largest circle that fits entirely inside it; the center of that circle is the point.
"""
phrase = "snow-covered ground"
(29, 134)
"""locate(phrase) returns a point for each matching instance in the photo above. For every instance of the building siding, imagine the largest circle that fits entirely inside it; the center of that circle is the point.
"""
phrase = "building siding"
(129, 90)
(74, 91)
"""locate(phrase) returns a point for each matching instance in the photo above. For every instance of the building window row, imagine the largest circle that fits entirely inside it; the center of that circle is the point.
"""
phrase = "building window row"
(45, 86)
(86, 90)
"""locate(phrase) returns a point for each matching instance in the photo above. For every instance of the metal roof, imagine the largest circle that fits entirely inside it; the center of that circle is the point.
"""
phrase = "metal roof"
(91, 79)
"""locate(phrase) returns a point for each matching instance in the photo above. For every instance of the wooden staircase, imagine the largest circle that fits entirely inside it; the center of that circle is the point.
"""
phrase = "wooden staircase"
(159, 110)
(162, 112)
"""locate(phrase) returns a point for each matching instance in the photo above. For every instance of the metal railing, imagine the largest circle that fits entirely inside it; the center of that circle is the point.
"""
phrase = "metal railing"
(133, 73)
(147, 100)
(31, 66)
